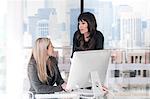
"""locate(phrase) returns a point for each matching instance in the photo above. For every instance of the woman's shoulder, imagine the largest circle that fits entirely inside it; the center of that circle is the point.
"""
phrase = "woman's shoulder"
(32, 65)
(99, 34)
(76, 33)
(32, 62)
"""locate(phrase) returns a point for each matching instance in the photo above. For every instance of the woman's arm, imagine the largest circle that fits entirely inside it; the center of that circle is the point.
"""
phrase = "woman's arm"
(37, 84)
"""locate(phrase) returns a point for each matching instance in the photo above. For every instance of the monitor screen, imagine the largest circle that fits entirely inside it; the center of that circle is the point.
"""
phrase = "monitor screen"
(83, 63)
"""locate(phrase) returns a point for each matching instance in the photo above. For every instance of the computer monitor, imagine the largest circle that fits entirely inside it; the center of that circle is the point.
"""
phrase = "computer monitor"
(85, 62)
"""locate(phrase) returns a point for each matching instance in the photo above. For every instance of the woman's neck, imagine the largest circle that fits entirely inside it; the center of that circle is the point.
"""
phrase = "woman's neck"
(86, 36)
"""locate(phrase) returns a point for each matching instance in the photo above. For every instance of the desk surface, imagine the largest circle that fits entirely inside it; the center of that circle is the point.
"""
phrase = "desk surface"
(57, 95)
(88, 94)
(74, 94)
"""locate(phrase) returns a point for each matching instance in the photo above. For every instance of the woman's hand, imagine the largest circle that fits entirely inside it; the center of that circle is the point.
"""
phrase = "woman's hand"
(64, 85)
(105, 90)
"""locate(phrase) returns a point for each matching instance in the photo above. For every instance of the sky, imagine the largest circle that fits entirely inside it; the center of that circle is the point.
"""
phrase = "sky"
(139, 6)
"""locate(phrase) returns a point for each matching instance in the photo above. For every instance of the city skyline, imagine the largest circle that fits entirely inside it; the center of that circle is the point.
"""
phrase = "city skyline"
(136, 4)
(110, 26)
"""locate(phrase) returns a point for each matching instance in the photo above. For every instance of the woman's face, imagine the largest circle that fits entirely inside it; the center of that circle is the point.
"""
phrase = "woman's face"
(50, 50)
(83, 27)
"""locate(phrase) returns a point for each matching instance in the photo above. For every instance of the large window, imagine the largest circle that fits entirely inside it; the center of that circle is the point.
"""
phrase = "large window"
(56, 19)
(53, 18)
(124, 23)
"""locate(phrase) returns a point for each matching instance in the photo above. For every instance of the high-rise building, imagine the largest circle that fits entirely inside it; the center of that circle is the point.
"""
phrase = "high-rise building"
(130, 30)
(42, 28)
(129, 26)
(116, 17)
(38, 25)
(104, 17)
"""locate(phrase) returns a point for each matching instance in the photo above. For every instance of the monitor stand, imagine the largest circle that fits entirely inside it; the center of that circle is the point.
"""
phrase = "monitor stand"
(97, 92)
(96, 84)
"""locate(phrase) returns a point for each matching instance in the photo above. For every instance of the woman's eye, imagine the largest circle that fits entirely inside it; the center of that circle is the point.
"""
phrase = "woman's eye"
(81, 23)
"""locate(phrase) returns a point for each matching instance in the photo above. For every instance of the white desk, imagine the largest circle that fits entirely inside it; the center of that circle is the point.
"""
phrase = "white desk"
(72, 95)
(57, 95)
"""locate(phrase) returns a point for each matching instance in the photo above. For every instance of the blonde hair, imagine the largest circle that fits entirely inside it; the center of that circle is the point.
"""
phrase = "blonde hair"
(40, 55)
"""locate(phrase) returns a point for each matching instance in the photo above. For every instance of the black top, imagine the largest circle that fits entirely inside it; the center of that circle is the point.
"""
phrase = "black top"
(98, 42)
(36, 86)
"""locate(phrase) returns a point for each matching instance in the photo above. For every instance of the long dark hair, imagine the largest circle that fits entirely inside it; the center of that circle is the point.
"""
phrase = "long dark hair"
(92, 28)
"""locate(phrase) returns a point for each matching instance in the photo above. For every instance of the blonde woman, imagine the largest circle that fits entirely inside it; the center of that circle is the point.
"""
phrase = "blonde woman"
(43, 71)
